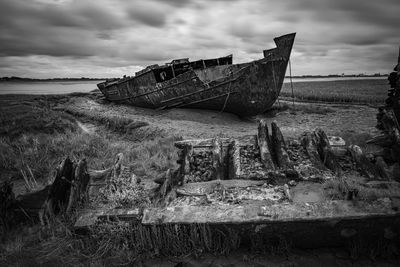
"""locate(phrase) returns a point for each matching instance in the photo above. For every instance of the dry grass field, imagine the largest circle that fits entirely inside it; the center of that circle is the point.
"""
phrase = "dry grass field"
(365, 91)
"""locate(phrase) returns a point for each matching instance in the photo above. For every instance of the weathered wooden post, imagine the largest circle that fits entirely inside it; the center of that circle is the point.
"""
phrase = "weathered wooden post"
(79, 188)
(217, 159)
(186, 156)
(367, 168)
(234, 162)
(312, 145)
(264, 143)
(279, 147)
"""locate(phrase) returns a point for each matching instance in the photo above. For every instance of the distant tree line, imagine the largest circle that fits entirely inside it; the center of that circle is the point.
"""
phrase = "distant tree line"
(15, 78)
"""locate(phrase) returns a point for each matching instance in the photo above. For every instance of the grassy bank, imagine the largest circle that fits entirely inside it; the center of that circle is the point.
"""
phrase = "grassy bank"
(34, 138)
(372, 91)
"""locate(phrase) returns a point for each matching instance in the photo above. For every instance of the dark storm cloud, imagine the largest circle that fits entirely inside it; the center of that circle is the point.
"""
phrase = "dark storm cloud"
(175, 3)
(148, 13)
(109, 37)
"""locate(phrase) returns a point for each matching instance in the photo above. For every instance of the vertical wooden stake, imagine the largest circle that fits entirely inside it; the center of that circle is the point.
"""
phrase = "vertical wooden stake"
(263, 145)
(310, 144)
(217, 159)
(79, 188)
(279, 146)
(234, 162)
(185, 165)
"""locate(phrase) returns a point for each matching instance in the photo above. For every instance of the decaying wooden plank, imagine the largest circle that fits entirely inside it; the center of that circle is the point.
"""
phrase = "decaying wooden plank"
(59, 193)
(117, 165)
(331, 161)
(366, 167)
(166, 186)
(258, 213)
(185, 165)
(87, 218)
(79, 188)
(310, 145)
(264, 143)
(217, 159)
(279, 147)
(383, 140)
(234, 162)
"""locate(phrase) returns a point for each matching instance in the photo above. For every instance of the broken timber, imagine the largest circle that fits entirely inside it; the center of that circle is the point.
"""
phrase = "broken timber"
(71, 188)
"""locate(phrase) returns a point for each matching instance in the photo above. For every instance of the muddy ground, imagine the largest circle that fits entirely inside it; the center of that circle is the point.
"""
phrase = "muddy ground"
(348, 121)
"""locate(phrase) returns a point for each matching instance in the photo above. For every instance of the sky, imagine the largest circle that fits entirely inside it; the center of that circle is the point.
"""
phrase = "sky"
(111, 38)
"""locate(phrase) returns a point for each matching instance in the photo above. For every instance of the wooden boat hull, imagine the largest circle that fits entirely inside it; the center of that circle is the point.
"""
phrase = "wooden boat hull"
(244, 89)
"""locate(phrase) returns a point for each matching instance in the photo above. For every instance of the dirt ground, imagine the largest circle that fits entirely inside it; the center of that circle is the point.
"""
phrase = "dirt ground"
(343, 120)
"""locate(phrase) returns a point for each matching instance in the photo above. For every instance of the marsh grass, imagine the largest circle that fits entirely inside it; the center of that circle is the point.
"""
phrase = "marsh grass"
(34, 138)
(367, 91)
(298, 108)
(32, 117)
(35, 157)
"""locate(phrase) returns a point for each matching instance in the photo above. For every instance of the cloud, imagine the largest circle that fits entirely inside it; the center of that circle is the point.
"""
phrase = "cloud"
(149, 13)
(109, 37)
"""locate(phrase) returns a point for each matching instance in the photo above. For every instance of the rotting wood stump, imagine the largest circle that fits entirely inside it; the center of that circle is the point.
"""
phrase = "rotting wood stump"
(70, 190)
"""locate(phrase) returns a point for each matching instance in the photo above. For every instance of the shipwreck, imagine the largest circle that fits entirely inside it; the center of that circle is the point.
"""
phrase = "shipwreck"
(245, 89)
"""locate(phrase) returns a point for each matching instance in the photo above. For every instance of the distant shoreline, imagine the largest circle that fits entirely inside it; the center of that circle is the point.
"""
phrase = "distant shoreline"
(22, 79)
(338, 76)
(18, 79)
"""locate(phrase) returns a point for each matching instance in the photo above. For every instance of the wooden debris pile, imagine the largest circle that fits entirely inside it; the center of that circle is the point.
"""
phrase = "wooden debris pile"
(250, 161)
(200, 167)
(68, 190)
(269, 157)
(228, 192)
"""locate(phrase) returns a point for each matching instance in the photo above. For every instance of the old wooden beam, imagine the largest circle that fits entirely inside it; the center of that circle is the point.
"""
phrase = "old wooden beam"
(186, 157)
(166, 186)
(217, 159)
(79, 189)
(117, 165)
(279, 147)
(309, 143)
(59, 192)
(366, 167)
(234, 160)
(264, 143)
(383, 140)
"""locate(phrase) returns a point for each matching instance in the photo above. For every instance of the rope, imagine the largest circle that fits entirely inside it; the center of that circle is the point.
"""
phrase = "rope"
(229, 93)
(227, 97)
(291, 82)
